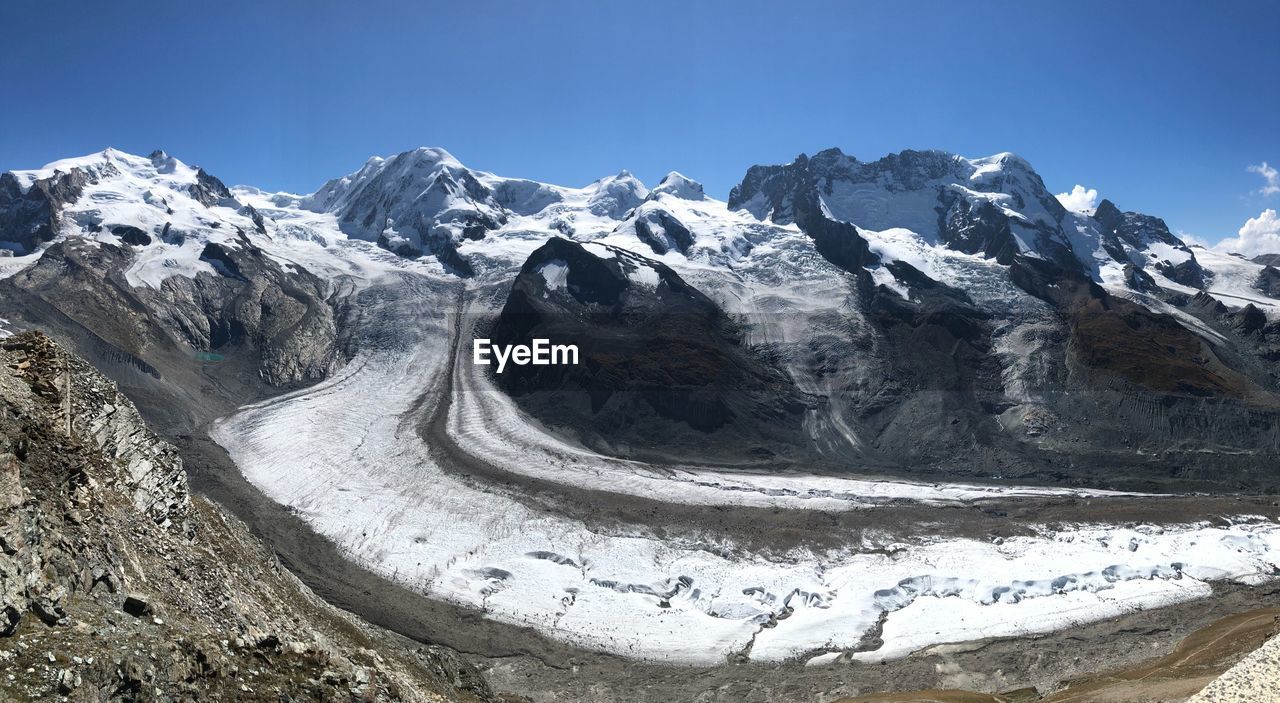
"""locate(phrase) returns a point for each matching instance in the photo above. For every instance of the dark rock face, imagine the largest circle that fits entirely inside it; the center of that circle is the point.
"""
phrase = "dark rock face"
(790, 194)
(940, 380)
(1138, 279)
(663, 232)
(30, 218)
(774, 186)
(222, 260)
(977, 230)
(1249, 319)
(1127, 340)
(1269, 281)
(209, 191)
(837, 242)
(661, 369)
(251, 310)
(1140, 231)
(131, 235)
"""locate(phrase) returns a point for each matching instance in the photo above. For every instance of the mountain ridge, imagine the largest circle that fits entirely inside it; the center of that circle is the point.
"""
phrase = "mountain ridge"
(922, 289)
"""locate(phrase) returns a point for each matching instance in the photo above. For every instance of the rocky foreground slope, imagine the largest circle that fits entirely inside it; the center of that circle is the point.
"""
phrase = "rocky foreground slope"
(116, 584)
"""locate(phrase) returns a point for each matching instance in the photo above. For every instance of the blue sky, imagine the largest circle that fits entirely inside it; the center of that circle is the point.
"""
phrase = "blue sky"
(1162, 107)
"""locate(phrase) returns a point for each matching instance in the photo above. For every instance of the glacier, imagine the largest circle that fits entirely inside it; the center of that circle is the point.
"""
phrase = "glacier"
(351, 457)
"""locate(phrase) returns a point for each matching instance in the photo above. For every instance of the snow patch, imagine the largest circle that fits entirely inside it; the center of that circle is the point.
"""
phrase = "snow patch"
(555, 274)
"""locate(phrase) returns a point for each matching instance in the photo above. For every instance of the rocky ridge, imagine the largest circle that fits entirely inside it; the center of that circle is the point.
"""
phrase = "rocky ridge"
(116, 584)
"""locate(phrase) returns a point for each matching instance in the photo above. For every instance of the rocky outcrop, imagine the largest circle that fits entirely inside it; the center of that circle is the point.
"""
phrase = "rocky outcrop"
(250, 308)
(661, 367)
(1269, 281)
(30, 216)
(662, 231)
(1128, 234)
(115, 584)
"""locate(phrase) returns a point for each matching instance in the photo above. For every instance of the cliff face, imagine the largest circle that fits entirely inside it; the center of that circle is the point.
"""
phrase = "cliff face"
(278, 323)
(116, 584)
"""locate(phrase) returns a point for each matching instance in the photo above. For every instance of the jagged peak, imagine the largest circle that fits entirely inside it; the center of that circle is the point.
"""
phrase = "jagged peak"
(1107, 209)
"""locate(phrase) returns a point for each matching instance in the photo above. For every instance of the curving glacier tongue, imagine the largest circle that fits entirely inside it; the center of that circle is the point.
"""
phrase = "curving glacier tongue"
(863, 282)
(391, 503)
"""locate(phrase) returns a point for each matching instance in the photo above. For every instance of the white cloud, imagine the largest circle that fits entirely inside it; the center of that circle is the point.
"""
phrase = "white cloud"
(1192, 240)
(1270, 175)
(1259, 235)
(1081, 199)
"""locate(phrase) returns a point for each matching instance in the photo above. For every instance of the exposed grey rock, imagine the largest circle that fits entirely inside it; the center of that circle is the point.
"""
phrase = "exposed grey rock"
(61, 633)
(31, 216)
(655, 362)
(1269, 281)
(252, 306)
(10, 482)
(1139, 231)
(662, 231)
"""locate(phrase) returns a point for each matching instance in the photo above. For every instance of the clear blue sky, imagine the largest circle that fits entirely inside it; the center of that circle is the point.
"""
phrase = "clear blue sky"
(1160, 106)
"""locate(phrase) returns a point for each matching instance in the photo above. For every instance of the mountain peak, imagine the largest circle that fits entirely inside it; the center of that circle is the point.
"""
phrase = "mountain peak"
(431, 154)
(680, 186)
(110, 163)
(614, 196)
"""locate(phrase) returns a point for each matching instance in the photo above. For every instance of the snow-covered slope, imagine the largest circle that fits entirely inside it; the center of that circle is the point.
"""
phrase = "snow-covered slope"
(1236, 281)
(996, 206)
(165, 210)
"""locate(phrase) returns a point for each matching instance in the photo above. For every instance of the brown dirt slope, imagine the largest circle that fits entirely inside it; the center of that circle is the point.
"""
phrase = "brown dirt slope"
(1197, 660)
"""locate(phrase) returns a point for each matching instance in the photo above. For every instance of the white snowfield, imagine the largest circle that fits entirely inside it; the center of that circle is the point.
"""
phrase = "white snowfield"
(348, 456)
(150, 194)
(1233, 278)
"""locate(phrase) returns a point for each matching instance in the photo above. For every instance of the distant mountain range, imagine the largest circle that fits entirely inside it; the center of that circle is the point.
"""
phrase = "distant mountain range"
(923, 313)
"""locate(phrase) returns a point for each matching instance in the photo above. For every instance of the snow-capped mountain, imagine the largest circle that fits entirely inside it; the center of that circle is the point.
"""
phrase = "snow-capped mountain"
(922, 287)
(144, 254)
(995, 206)
(133, 201)
(914, 207)
(939, 320)
(425, 201)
